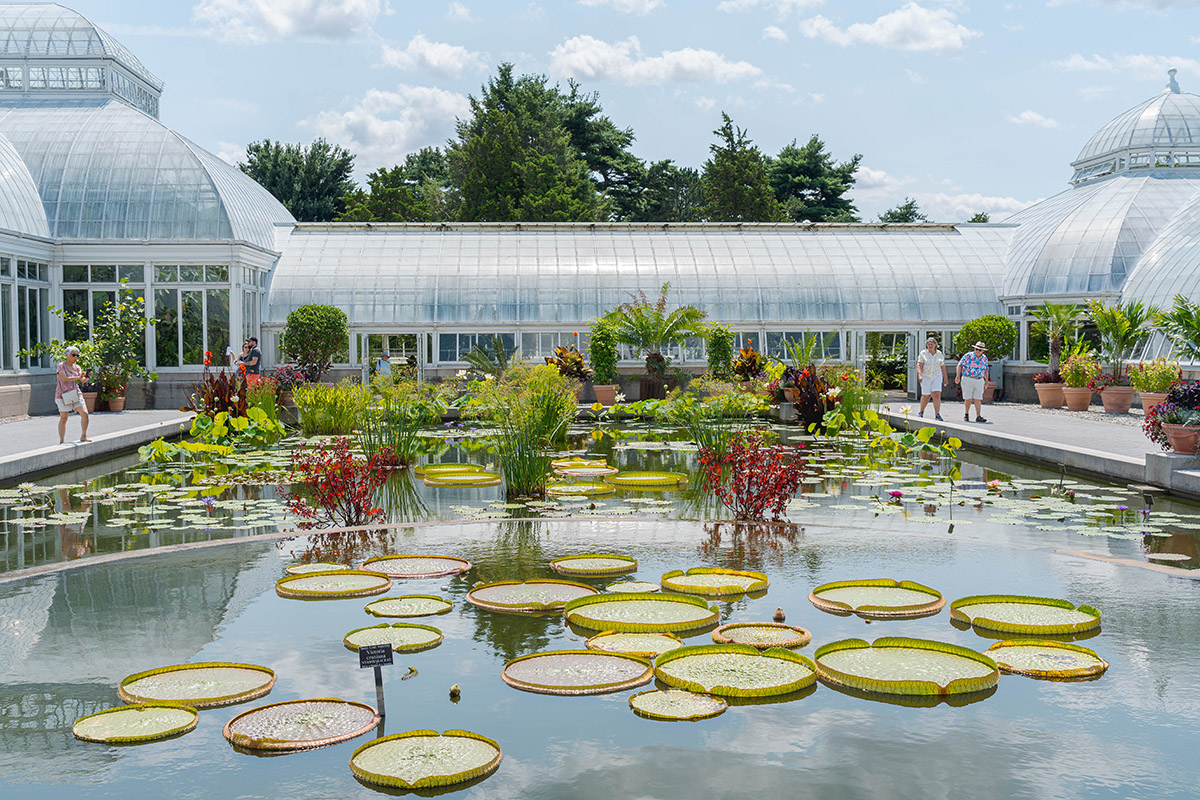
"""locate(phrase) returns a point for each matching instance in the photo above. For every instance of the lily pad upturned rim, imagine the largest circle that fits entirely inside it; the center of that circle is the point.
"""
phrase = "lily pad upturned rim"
(526, 608)
(463, 480)
(879, 612)
(803, 636)
(647, 479)
(293, 745)
(593, 642)
(414, 648)
(461, 565)
(283, 586)
(178, 730)
(586, 488)
(956, 613)
(997, 649)
(573, 614)
(584, 689)
(562, 568)
(738, 649)
(449, 606)
(721, 706)
(431, 781)
(760, 584)
(443, 469)
(966, 685)
(194, 702)
(321, 566)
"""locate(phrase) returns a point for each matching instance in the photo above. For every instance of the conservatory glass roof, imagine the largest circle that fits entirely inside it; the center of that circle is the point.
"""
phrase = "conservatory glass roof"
(20, 205)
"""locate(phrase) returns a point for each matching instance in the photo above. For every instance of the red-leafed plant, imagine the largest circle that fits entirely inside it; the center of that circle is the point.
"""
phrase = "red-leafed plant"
(339, 487)
(752, 478)
(219, 391)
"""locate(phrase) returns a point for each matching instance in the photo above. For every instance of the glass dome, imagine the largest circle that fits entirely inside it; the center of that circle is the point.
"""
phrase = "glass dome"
(20, 205)
(1167, 120)
(1171, 265)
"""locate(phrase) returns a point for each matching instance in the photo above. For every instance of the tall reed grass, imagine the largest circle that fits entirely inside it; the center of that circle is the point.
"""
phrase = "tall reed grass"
(331, 409)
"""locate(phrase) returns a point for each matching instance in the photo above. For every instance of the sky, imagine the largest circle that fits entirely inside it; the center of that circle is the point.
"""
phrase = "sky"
(965, 106)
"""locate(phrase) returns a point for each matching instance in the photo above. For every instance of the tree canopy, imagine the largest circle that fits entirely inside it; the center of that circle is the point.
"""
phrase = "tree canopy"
(908, 211)
(310, 181)
(736, 186)
(810, 185)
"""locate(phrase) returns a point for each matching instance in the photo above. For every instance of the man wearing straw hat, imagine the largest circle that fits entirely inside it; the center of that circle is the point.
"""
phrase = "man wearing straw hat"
(971, 375)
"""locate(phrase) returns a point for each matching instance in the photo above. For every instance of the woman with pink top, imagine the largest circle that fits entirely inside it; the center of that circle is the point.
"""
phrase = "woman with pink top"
(67, 395)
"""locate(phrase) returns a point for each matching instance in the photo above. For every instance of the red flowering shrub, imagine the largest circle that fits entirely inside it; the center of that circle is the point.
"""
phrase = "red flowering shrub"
(752, 477)
(340, 488)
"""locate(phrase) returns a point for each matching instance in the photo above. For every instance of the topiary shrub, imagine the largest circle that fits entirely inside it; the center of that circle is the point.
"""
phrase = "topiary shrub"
(602, 350)
(313, 336)
(995, 331)
(718, 342)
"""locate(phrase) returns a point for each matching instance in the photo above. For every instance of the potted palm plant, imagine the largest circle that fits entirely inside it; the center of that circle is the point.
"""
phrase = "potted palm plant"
(648, 327)
(1057, 321)
(1122, 328)
(602, 349)
(1078, 372)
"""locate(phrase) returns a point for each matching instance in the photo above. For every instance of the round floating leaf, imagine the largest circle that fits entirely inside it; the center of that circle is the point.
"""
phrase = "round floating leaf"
(714, 582)
(641, 613)
(648, 480)
(642, 645)
(582, 488)
(1021, 614)
(333, 585)
(464, 480)
(763, 635)
(592, 471)
(594, 565)
(899, 665)
(1169, 556)
(735, 670)
(570, 463)
(641, 587)
(320, 566)
(527, 597)
(300, 724)
(409, 605)
(404, 637)
(144, 722)
(417, 566)
(676, 704)
(206, 684)
(879, 598)
(446, 469)
(425, 759)
(1047, 659)
(576, 672)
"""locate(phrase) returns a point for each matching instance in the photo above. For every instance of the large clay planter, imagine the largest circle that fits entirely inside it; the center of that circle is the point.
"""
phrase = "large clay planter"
(651, 388)
(989, 391)
(285, 398)
(1050, 395)
(606, 393)
(116, 403)
(89, 400)
(1078, 398)
(1151, 399)
(1182, 438)
(1117, 399)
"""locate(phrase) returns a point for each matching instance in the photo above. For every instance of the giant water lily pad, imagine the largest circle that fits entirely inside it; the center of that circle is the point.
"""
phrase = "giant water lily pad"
(576, 672)
(409, 605)
(648, 480)
(1047, 659)
(463, 480)
(641, 587)
(641, 613)
(528, 597)
(735, 670)
(333, 585)
(320, 566)
(676, 705)
(205, 684)
(642, 645)
(1022, 614)
(899, 665)
(300, 724)
(594, 565)
(437, 470)
(425, 759)
(715, 582)
(402, 636)
(143, 722)
(763, 635)
(879, 598)
(581, 488)
(417, 566)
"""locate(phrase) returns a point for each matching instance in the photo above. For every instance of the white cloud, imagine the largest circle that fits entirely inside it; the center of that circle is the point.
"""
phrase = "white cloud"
(639, 7)
(385, 125)
(910, 27)
(439, 58)
(942, 206)
(1140, 65)
(867, 178)
(1080, 63)
(914, 77)
(781, 7)
(459, 13)
(817, 97)
(231, 153)
(705, 103)
(262, 20)
(774, 32)
(587, 58)
(1030, 117)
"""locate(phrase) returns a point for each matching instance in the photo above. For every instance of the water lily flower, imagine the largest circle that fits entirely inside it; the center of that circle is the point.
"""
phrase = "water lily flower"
(1122, 508)
(620, 398)
(896, 494)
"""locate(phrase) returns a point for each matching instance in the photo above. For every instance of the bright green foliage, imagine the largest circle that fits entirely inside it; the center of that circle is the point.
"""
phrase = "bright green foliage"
(669, 194)
(1079, 370)
(1122, 328)
(602, 350)
(718, 345)
(395, 420)
(160, 451)
(980, 218)
(1058, 322)
(1182, 324)
(309, 181)
(736, 185)
(998, 333)
(616, 173)
(650, 328)
(810, 186)
(327, 410)
(256, 429)
(314, 334)
(415, 191)
(494, 360)
(908, 211)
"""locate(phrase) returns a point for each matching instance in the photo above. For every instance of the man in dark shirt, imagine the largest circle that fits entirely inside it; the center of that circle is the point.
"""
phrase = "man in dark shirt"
(254, 361)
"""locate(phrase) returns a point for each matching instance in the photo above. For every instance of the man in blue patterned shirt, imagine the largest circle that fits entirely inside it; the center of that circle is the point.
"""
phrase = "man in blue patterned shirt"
(972, 375)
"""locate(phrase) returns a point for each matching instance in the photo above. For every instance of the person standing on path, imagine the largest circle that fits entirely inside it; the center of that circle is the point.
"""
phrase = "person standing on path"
(67, 395)
(971, 375)
(253, 362)
(931, 374)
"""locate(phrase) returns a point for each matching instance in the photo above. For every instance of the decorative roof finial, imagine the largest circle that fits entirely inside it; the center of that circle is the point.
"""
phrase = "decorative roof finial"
(1172, 84)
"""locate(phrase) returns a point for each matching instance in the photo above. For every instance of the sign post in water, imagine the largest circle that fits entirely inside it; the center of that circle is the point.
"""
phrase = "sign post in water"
(376, 655)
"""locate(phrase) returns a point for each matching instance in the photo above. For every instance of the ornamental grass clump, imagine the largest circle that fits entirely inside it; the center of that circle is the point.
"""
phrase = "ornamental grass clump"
(753, 478)
(338, 487)
(330, 410)
(391, 426)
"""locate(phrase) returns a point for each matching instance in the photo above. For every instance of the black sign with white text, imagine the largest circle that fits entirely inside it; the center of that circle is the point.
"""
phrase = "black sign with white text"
(374, 655)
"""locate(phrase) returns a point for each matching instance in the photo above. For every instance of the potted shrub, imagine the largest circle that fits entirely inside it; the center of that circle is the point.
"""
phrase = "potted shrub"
(571, 365)
(90, 393)
(1122, 328)
(602, 349)
(1179, 418)
(648, 327)
(1049, 386)
(1000, 336)
(1153, 379)
(313, 335)
(1057, 321)
(718, 348)
(1077, 372)
(111, 391)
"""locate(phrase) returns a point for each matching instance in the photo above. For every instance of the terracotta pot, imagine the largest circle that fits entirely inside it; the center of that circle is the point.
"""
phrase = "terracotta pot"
(89, 400)
(989, 391)
(1050, 395)
(116, 404)
(1117, 399)
(651, 388)
(606, 393)
(1182, 438)
(1078, 398)
(1151, 399)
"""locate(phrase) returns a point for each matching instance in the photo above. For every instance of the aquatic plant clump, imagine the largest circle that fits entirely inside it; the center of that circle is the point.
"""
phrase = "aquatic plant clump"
(300, 724)
(763, 635)
(403, 637)
(641, 613)
(1047, 659)
(880, 598)
(648, 480)
(715, 582)
(1022, 614)
(206, 684)
(899, 665)
(333, 585)
(642, 645)
(309, 569)
(594, 564)
(143, 722)
(417, 566)
(676, 705)
(528, 597)
(425, 759)
(576, 672)
(634, 586)
(409, 605)
(735, 670)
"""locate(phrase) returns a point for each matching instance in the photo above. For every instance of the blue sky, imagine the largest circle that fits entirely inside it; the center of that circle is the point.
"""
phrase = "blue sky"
(965, 106)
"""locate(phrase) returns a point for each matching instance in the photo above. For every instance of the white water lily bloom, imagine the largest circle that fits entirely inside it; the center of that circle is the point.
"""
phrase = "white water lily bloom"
(620, 398)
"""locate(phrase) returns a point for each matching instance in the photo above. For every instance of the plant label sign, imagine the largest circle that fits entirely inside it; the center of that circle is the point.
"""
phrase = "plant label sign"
(374, 655)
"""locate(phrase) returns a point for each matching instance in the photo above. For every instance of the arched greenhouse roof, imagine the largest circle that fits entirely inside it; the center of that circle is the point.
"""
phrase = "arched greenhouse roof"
(20, 205)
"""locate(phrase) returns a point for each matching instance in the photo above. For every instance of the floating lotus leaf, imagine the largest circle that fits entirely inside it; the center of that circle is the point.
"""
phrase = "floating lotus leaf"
(735, 670)
(899, 665)
(528, 597)
(714, 582)
(404, 637)
(446, 469)
(1021, 614)
(642, 645)
(578, 461)
(300, 724)
(594, 564)
(409, 605)
(417, 566)
(333, 585)
(648, 480)
(598, 471)
(1169, 556)
(206, 684)
(880, 598)
(676, 704)
(320, 566)
(466, 480)
(425, 759)
(583, 488)
(1047, 659)
(641, 587)
(577, 672)
(641, 613)
(144, 722)
(763, 635)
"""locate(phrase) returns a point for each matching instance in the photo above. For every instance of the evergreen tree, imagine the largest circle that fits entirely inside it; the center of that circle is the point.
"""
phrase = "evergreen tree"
(810, 186)
(414, 191)
(908, 211)
(310, 181)
(982, 216)
(669, 194)
(736, 187)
